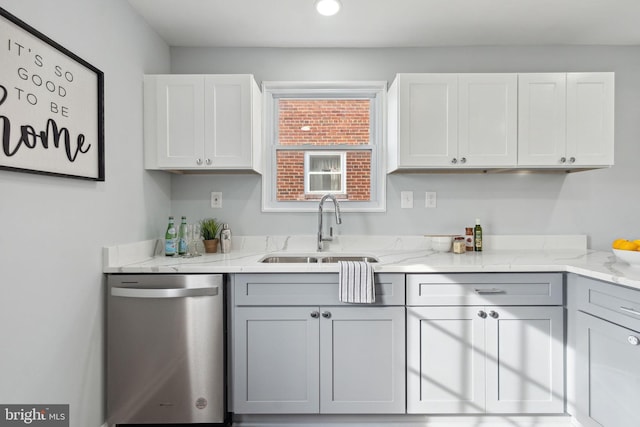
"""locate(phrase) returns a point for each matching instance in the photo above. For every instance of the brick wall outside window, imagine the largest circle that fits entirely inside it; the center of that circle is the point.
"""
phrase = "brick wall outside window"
(342, 121)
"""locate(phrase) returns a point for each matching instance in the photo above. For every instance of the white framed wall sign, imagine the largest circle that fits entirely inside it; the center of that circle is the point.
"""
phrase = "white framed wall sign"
(51, 106)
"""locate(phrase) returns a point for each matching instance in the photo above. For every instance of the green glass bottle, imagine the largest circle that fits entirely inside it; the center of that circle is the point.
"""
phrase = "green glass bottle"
(477, 237)
(170, 248)
(182, 236)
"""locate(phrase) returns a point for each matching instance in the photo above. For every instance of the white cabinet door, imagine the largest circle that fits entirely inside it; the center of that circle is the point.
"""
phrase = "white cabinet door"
(179, 121)
(276, 360)
(542, 119)
(428, 120)
(488, 120)
(228, 121)
(590, 118)
(202, 122)
(445, 360)
(525, 360)
(608, 373)
(362, 360)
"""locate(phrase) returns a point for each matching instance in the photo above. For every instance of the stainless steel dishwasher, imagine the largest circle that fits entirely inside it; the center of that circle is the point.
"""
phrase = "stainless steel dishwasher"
(165, 349)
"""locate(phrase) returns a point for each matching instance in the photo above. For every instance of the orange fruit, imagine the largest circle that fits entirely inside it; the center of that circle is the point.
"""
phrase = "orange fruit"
(617, 243)
(628, 246)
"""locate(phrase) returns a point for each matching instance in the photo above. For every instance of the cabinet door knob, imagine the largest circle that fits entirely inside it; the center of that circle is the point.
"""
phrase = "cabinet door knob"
(199, 162)
(493, 314)
(463, 160)
(315, 314)
(454, 161)
(326, 314)
(572, 159)
(563, 159)
(208, 161)
(482, 314)
(633, 340)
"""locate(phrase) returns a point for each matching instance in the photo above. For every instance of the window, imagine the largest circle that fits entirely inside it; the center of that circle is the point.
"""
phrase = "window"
(324, 138)
(324, 172)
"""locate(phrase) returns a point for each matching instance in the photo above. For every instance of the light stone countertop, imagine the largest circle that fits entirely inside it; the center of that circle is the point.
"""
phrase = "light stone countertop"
(404, 254)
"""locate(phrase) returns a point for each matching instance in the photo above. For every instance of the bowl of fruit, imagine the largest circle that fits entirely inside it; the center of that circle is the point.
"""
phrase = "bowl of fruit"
(627, 251)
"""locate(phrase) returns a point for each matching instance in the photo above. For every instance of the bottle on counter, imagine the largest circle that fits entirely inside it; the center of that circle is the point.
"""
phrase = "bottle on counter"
(477, 237)
(225, 239)
(182, 237)
(170, 238)
(468, 239)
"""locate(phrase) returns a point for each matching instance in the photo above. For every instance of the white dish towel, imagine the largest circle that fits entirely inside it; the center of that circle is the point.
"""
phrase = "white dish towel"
(356, 282)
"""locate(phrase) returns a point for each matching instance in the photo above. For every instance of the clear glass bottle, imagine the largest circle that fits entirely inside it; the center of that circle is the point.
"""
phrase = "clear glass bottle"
(477, 237)
(182, 237)
(225, 239)
(170, 248)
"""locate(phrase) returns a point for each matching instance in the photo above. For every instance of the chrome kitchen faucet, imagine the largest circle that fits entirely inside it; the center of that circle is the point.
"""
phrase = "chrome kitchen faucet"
(321, 238)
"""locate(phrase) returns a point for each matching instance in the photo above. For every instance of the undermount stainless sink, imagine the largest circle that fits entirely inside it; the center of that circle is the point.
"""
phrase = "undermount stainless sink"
(289, 259)
(330, 259)
(298, 259)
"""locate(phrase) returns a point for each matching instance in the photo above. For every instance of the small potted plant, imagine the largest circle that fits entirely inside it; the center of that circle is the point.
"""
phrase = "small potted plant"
(209, 228)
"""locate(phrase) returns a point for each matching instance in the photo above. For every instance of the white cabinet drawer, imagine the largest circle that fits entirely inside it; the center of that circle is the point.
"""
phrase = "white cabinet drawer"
(308, 289)
(485, 289)
(612, 302)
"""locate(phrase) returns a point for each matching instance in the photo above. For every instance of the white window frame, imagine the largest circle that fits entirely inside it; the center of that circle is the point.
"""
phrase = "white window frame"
(376, 91)
(308, 172)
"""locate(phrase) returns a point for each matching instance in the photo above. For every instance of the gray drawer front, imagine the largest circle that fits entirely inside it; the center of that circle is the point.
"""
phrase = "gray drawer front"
(308, 289)
(485, 289)
(612, 302)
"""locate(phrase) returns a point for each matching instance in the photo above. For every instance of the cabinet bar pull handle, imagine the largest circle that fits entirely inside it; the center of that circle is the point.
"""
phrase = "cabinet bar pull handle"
(630, 310)
(489, 291)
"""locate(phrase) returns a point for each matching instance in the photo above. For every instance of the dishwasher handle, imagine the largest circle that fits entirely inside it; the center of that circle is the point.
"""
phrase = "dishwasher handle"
(163, 293)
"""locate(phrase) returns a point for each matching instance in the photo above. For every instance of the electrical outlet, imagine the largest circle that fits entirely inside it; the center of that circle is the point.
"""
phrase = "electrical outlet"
(430, 199)
(406, 199)
(216, 199)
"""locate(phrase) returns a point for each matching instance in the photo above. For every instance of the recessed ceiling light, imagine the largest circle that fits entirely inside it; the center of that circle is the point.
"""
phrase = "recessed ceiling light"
(328, 7)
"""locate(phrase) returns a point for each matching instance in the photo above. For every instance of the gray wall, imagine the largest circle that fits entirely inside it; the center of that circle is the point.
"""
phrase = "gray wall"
(602, 204)
(51, 286)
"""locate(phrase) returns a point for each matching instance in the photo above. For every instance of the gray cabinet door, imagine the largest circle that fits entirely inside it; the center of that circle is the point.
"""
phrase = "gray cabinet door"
(362, 360)
(525, 360)
(608, 373)
(276, 360)
(485, 360)
(445, 360)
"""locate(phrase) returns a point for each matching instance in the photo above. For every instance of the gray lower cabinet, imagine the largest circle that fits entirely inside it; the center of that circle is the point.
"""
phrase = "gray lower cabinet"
(466, 359)
(276, 361)
(331, 359)
(607, 354)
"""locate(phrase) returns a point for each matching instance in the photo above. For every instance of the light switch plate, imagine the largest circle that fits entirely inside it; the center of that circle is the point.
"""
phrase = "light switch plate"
(430, 199)
(406, 199)
(216, 199)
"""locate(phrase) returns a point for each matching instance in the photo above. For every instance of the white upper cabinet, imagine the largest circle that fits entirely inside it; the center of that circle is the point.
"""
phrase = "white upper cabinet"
(501, 121)
(488, 120)
(566, 120)
(452, 121)
(590, 118)
(542, 126)
(202, 122)
(423, 115)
